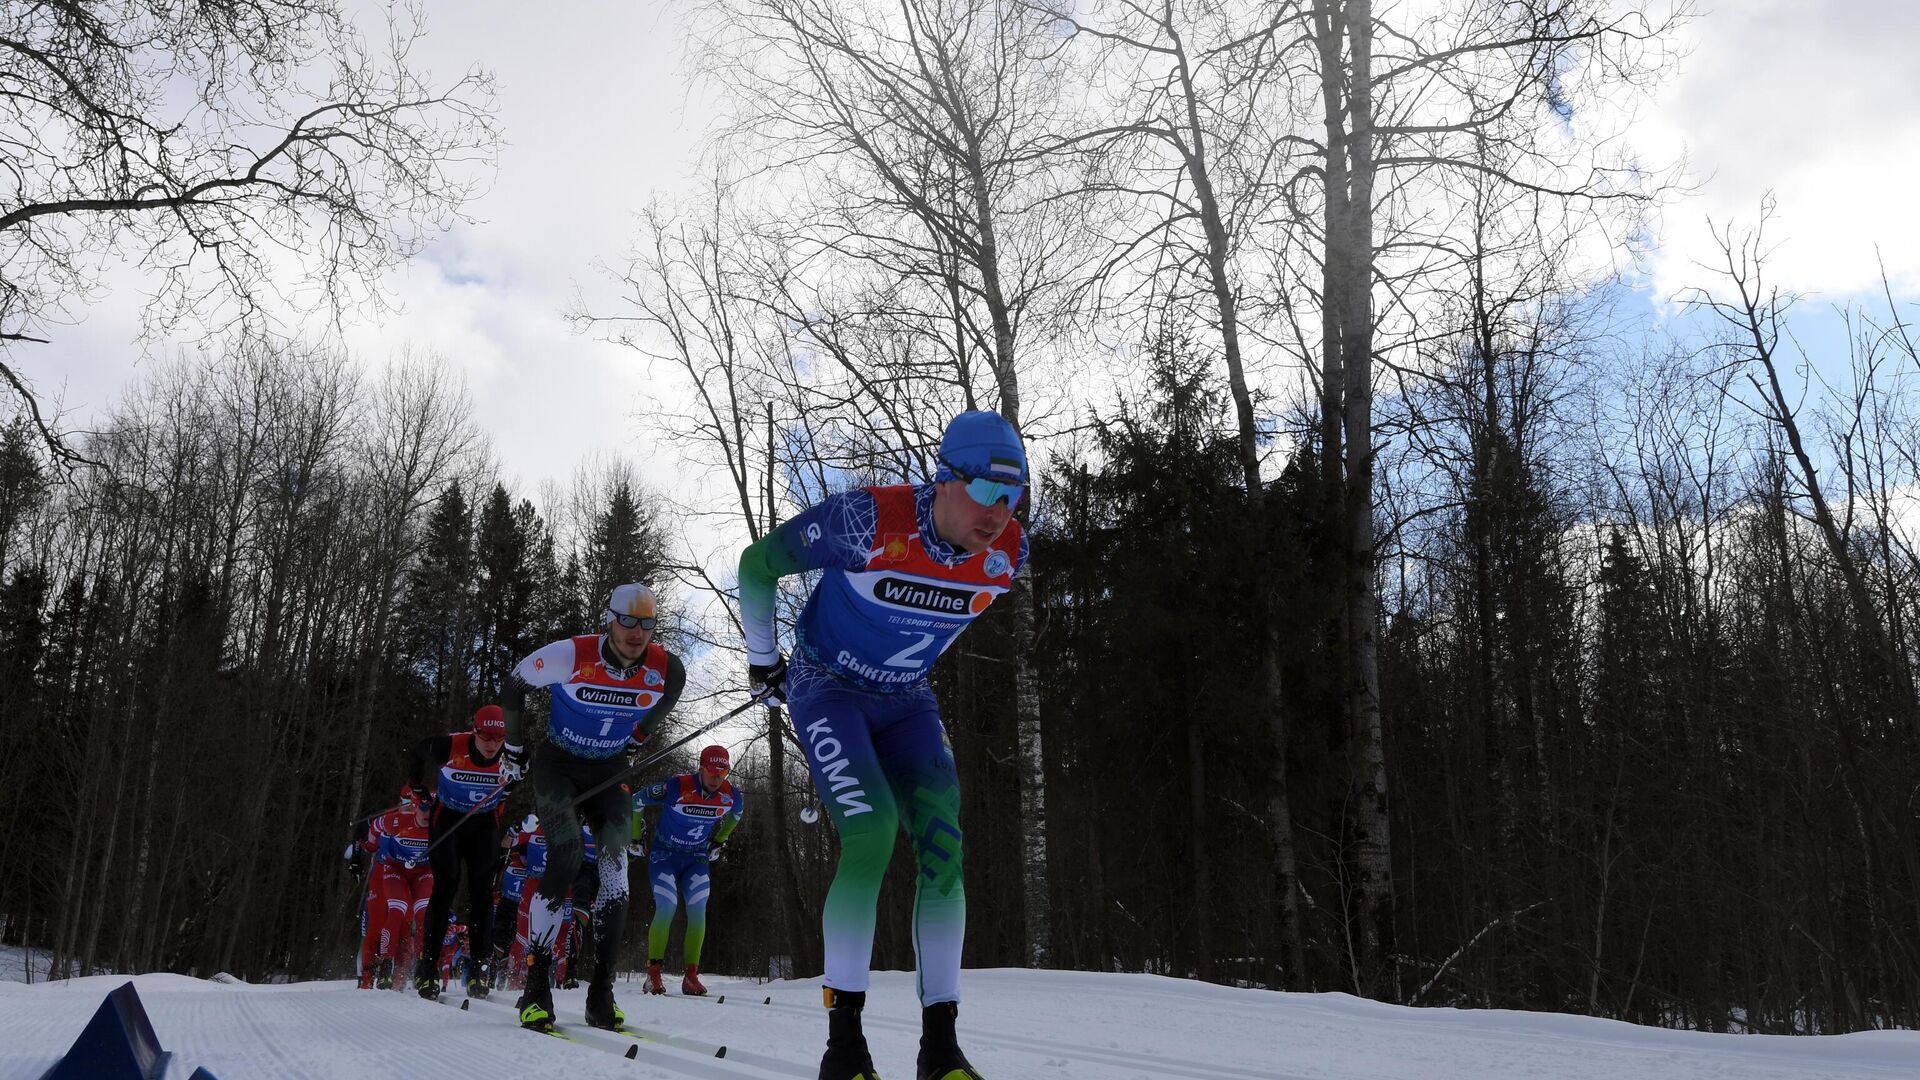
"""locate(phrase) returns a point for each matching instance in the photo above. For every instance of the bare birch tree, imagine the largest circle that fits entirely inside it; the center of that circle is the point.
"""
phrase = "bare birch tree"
(1200, 138)
(1412, 97)
(241, 156)
(694, 304)
(919, 126)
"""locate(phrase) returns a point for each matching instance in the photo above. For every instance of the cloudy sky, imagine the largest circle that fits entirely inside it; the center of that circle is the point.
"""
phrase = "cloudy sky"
(593, 110)
(1817, 102)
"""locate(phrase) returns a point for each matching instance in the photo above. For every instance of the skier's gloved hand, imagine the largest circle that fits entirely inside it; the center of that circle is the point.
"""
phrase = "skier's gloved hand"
(713, 852)
(636, 849)
(769, 680)
(356, 863)
(513, 763)
(422, 798)
(635, 745)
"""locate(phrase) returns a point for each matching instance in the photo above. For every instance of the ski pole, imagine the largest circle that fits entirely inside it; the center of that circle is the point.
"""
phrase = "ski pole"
(489, 803)
(364, 818)
(643, 763)
(661, 754)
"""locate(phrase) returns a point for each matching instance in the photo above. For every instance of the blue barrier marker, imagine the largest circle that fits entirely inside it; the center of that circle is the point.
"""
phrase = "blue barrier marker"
(117, 1044)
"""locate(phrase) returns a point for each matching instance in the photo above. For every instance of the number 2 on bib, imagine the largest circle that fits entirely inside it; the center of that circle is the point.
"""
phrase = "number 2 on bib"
(910, 656)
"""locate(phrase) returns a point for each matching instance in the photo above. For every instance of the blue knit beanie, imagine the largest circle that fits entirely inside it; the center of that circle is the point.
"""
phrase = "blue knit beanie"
(982, 444)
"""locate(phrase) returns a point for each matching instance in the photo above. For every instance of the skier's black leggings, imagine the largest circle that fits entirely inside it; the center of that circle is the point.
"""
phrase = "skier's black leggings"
(475, 846)
(558, 778)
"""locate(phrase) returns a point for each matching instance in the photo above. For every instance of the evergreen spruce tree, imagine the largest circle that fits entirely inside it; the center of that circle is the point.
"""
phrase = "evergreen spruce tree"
(437, 612)
(23, 638)
(1151, 566)
(506, 583)
(23, 485)
(626, 543)
(550, 613)
(23, 643)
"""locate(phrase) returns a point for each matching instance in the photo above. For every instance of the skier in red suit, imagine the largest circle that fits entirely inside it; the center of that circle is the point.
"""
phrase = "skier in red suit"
(399, 840)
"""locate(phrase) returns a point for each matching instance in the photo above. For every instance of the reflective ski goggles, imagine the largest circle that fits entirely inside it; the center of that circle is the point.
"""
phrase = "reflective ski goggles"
(644, 622)
(985, 490)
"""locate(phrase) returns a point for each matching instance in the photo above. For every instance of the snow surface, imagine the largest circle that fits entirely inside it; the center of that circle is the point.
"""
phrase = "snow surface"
(1015, 1025)
(18, 964)
(23, 965)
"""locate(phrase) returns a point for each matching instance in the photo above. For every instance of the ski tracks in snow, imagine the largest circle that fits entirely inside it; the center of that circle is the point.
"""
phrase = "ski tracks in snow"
(665, 1054)
(1053, 1055)
(279, 1040)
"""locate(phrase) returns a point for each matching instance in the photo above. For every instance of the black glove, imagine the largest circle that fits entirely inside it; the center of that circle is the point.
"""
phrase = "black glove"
(513, 763)
(636, 849)
(713, 852)
(422, 798)
(768, 680)
(356, 861)
(634, 747)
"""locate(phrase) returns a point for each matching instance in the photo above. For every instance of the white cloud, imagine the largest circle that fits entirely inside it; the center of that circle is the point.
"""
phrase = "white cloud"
(593, 110)
(596, 118)
(1818, 103)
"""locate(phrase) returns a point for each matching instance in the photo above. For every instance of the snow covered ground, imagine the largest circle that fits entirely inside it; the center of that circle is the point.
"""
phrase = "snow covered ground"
(22, 965)
(1016, 1025)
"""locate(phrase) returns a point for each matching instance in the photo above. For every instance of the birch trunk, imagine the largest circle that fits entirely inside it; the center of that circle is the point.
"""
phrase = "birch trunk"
(799, 941)
(1201, 900)
(1033, 803)
(1344, 33)
(1038, 916)
(1285, 929)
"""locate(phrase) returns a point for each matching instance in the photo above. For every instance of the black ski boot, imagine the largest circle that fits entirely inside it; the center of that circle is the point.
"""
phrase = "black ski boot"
(536, 1001)
(383, 979)
(602, 1010)
(940, 1056)
(497, 973)
(426, 979)
(846, 1057)
(479, 980)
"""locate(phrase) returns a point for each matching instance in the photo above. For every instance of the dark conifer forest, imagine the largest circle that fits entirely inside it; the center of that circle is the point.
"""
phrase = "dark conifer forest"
(1651, 763)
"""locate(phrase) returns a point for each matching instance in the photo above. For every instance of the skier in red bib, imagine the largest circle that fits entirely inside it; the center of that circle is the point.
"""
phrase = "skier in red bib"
(467, 796)
(373, 905)
(905, 570)
(399, 841)
(698, 811)
(608, 693)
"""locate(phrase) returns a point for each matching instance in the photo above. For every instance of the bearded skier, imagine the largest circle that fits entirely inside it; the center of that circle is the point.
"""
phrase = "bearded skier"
(609, 693)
